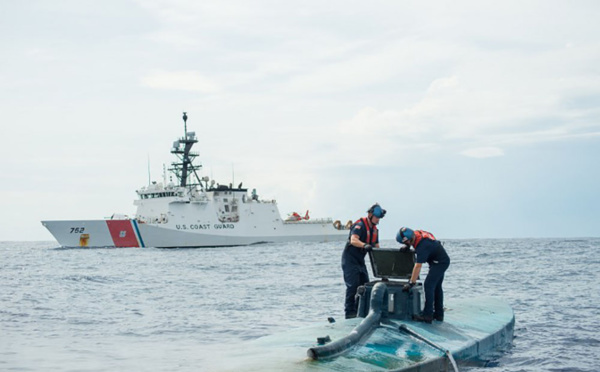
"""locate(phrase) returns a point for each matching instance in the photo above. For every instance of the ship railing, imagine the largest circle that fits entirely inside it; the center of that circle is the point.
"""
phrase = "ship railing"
(311, 221)
(153, 220)
(273, 201)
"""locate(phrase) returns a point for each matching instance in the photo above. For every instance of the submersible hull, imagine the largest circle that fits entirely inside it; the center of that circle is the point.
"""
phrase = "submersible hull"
(384, 337)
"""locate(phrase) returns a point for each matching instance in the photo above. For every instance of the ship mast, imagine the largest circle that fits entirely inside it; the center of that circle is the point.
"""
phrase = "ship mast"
(182, 149)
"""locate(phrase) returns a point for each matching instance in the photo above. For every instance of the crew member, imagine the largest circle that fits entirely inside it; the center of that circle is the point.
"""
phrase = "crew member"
(363, 237)
(429, 250)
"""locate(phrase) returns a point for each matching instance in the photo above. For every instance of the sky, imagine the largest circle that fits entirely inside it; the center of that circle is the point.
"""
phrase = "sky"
(469, 119)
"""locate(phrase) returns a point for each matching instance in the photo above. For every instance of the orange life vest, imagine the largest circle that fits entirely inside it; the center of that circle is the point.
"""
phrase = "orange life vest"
(420, 234)
(371, 232)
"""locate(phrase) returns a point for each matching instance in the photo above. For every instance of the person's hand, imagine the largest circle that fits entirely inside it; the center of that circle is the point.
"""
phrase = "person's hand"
(408, 286)
(404, 248)
(368, 248)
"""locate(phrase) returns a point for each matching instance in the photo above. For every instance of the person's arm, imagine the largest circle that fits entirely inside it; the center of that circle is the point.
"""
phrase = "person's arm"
(415, 273)
(355, 241)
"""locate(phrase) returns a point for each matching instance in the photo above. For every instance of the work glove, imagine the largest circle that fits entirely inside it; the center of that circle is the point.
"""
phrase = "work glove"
(404, 248)
(368, 248)
(408, 286)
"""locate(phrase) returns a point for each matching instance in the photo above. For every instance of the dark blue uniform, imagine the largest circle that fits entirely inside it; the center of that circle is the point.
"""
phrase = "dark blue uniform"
(353, 263)
(433, 252)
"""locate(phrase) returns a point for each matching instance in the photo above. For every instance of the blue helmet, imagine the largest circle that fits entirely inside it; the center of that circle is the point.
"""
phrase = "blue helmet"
(377, 211)
(404, 235)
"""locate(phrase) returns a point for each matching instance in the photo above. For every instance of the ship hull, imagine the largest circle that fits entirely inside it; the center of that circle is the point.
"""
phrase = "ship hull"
(131, 233)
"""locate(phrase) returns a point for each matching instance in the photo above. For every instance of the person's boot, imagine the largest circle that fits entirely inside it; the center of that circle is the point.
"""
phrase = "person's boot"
(423, 318)
(438, 317)
(351, 315)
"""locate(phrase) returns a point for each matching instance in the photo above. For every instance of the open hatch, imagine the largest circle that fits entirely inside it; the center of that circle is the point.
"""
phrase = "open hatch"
(391, 263)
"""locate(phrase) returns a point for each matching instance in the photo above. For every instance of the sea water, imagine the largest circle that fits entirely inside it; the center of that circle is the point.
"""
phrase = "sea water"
(181, 309)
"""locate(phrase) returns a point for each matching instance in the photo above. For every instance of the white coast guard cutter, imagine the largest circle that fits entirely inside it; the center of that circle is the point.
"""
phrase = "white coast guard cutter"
(194, 213)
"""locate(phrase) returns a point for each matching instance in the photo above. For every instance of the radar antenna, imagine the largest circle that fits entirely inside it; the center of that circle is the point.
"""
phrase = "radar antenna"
(184, 169)
(184, 124)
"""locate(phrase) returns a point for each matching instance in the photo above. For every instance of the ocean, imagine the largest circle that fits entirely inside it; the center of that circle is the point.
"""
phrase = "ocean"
(132, 309)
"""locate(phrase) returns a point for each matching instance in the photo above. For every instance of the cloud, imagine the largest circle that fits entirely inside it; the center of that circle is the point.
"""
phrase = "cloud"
(483, 152)
(180, 80)
(370, 121)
